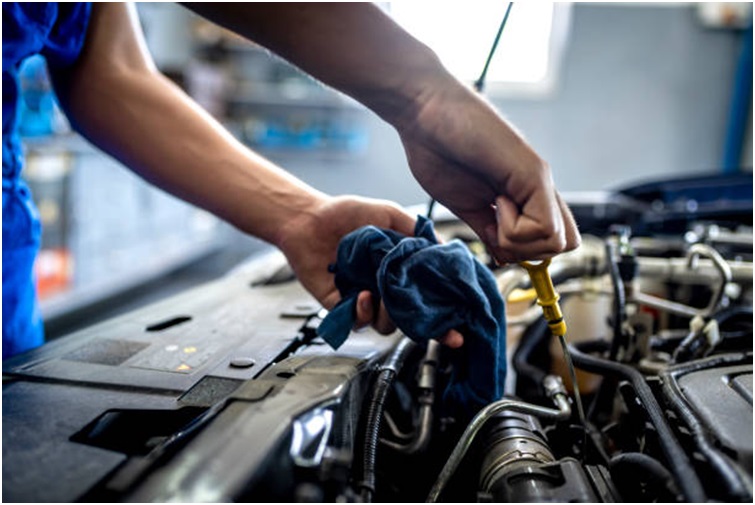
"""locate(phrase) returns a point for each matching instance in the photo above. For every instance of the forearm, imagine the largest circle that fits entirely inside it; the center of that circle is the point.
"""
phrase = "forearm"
(353, 47)
(138, 116)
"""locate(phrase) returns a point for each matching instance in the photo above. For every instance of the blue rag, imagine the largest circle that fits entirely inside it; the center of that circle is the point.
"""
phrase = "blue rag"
(427, 289)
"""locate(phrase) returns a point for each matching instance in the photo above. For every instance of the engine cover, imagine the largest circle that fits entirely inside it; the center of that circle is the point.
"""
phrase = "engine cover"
(722, 398)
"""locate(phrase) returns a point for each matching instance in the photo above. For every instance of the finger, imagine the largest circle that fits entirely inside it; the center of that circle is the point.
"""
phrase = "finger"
(573, 238)
(523, 237)
(402, 222)
(367, 314)
(365, 310)
(382, 323)
(509, 248)
(513, 252)
(452, 339)
(540, 219)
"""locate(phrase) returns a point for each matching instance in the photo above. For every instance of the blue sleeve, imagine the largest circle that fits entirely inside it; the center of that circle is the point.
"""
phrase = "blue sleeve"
(67, 35)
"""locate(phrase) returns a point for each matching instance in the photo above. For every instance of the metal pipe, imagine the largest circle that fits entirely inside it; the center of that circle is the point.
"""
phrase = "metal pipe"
(428, 371)
(393, 427)
(556, 391)
(723, 272)
(421, 437)
(677, 270)
(693, 258)
(590, 260)
(677, 308)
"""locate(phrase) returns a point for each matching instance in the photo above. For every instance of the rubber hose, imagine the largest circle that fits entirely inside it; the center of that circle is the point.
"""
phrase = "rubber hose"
(724, 315)
(382, 385)
(655, 473)
(607, 389)
(532, 337)
(619, 303)
(684, 474)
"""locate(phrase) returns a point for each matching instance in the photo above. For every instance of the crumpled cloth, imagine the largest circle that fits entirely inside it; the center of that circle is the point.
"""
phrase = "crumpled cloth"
(427, 289)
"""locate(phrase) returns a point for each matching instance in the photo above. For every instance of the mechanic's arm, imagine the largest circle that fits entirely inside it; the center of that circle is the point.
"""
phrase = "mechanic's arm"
(116, 98)
(459, 148)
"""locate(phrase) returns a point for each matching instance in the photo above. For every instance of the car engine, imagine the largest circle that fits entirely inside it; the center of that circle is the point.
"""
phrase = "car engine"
(226, 393)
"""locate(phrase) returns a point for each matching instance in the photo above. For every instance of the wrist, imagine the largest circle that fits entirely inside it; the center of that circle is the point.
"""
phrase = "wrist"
(297, 220)
(402, 92)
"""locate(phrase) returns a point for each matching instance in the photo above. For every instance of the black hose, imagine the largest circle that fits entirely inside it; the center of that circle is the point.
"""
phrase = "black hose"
(651, 472)
(684, 474)
(724, 315)
(619, 303)
(733, 482)
(607, 389)
(528, 376)
(386, 374)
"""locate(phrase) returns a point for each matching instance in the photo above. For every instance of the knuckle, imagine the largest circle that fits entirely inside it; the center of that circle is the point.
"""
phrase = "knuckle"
(557, 243)
(574, 242)
(549, 230)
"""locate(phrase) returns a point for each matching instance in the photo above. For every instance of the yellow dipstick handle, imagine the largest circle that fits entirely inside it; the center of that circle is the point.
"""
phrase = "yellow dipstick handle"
(547, 297)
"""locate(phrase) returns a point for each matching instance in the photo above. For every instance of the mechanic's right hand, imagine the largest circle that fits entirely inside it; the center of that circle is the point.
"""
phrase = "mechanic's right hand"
(472, 161)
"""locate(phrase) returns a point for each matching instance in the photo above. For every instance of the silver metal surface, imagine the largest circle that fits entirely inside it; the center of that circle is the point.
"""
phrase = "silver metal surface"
(562, 411)
(428, 371)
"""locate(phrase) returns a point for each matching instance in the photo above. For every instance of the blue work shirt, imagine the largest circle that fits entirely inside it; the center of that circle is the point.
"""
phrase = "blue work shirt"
(57, 32)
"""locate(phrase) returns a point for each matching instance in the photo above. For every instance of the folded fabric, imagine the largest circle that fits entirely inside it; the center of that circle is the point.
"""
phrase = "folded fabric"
(427, 289)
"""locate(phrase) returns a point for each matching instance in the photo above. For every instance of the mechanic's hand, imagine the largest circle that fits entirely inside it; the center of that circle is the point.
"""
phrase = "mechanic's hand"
(310, 244)
(473, 162)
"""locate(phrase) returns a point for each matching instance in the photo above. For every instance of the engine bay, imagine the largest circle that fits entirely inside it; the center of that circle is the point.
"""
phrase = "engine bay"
(226, 393)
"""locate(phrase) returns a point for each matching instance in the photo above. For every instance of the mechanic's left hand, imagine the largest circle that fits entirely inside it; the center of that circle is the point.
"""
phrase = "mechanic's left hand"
(311, 241)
